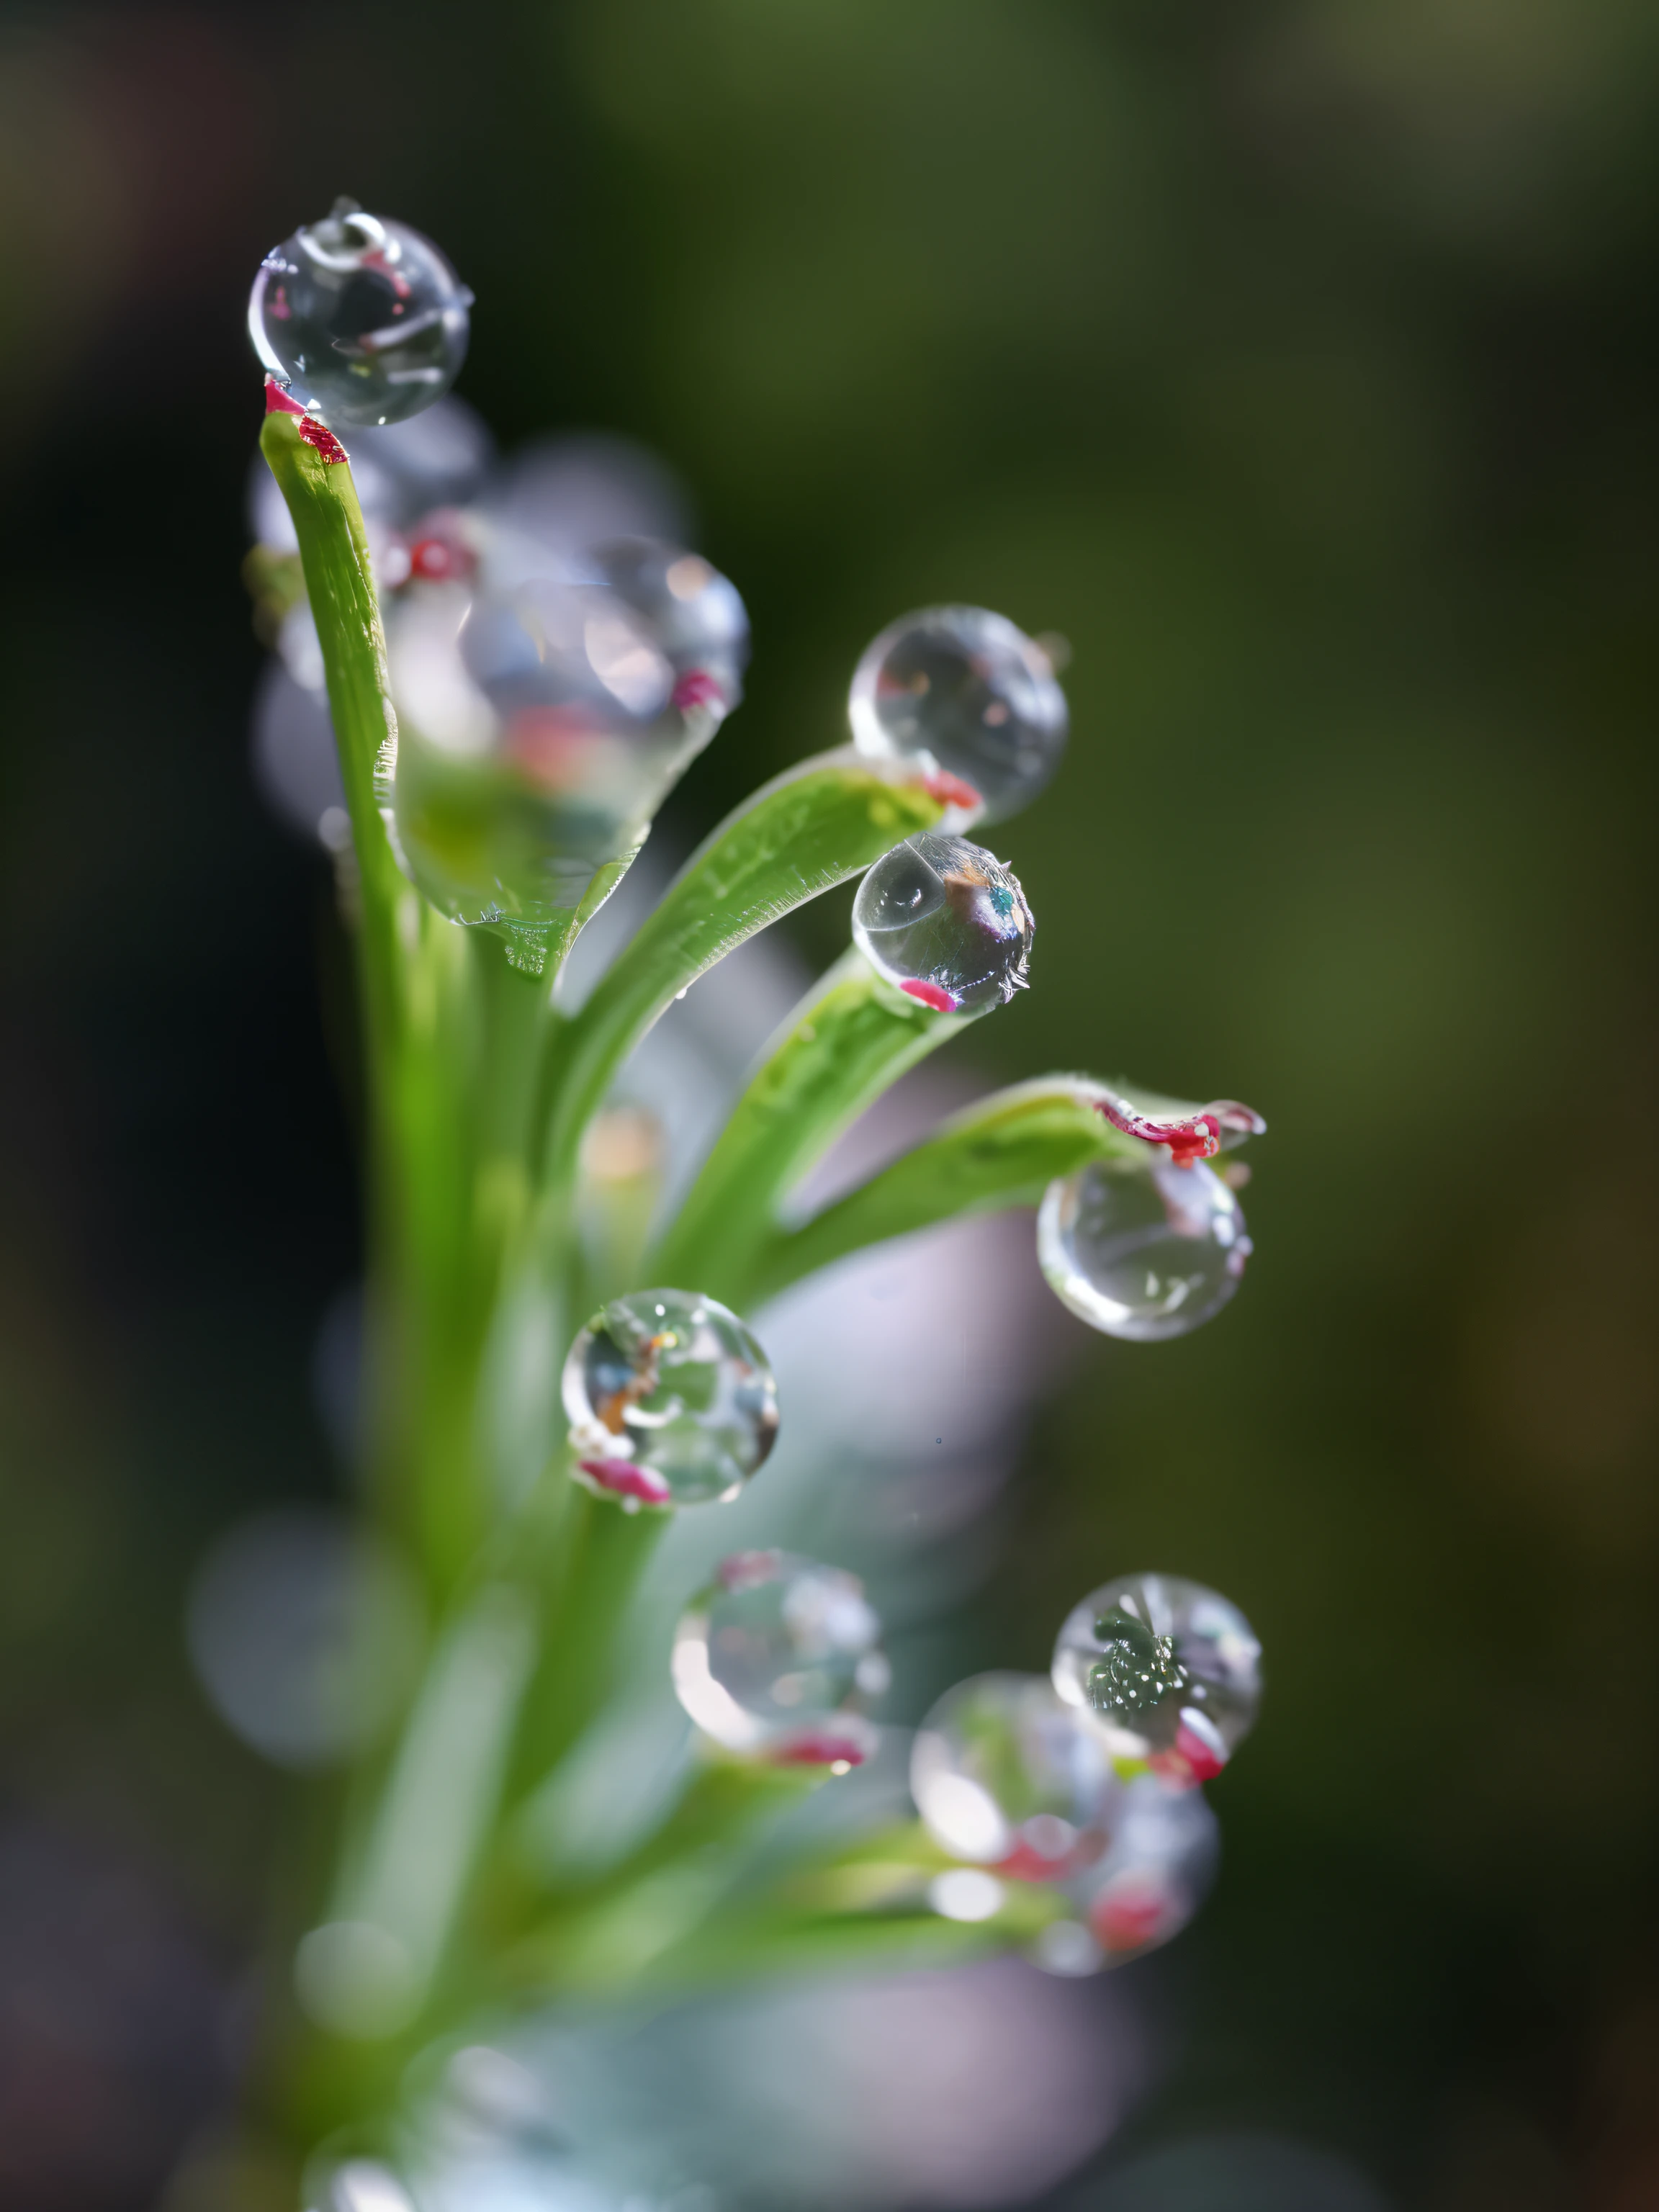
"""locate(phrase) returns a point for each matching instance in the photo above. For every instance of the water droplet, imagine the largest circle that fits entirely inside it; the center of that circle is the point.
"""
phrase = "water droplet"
(946, 921)
(1005, 1772)
(1169, 1672)
(361, 316)
(780, 1655)
(546, 708)
(1155, 1874)
(670, 1399)
(1142, 1251)
(967, 687)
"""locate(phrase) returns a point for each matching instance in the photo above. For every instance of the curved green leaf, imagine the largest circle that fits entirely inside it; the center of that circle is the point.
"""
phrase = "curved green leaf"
(850, 1037)
(810, 828)
(1003, 1151)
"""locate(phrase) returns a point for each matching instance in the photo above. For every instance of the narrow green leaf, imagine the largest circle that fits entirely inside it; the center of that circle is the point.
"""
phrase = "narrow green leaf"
(1003, 1151)
(334, 552)
(849, 1038)
(810, 828)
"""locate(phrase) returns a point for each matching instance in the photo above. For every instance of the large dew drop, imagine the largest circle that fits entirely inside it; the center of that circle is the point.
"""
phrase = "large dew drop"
(670, 1399)
(1168, 1671)
(546, 707)
(966, 687)
(1142, 1251)
(360, 315)
(778, 1657)
(946, 921)
(1005, 1774)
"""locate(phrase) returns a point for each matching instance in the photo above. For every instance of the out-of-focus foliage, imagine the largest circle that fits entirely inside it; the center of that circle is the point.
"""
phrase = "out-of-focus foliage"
(1295, 363)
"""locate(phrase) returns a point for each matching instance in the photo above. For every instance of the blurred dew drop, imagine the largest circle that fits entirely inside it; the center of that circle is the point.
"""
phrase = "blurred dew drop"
(358, 2184)
(356, 1979)
(780, 1655)
(946, 921)
(1146, 1253)
(966, 688)
(305, 1635)
(1157, 1871)
(567, 494)
(295, 765)
(1005, 1772)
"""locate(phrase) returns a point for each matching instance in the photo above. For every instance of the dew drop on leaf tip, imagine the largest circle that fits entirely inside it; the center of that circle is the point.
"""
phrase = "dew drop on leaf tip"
(361, 315)
(1145, 1252)
(947, 922)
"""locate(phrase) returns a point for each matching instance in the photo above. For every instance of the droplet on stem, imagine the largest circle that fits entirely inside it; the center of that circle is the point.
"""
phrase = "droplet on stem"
(362, 315)
(966, 688)
(946, 921)
(778, 1656)
(1168, 1671)
(1142, 1251)
(670, 1399)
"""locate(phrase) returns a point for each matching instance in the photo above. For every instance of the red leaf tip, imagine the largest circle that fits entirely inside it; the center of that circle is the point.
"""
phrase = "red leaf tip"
(279, 401)
(952, 791)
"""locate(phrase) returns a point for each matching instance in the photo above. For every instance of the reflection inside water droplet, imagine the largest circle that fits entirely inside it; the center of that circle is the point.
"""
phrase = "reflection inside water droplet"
(946, 921)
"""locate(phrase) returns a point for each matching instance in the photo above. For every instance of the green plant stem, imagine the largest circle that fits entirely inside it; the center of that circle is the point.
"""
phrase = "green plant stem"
(848, 1040)
(591, 1574)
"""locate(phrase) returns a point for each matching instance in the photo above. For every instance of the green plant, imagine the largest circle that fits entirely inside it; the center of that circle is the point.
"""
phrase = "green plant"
(434, 1902)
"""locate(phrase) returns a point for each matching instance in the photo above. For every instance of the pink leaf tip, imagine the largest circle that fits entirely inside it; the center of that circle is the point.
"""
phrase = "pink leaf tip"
(619, 1478)
(1188, 1138)
(931, 995)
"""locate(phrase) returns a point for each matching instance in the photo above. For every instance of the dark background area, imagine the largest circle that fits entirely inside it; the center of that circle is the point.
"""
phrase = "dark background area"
(1296, 361)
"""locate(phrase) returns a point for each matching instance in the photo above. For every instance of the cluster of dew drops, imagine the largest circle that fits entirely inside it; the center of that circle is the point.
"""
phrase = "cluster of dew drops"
(1087, 1781)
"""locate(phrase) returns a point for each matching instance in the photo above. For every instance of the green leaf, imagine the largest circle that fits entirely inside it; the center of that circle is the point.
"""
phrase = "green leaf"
(711, 1916)
(810, 828)
(334, 551)
(1003, 1151)
(849, 1038)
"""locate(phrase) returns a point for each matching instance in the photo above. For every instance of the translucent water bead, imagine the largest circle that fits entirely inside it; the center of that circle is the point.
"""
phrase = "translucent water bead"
(1169, 1672)
(1163, 1859)
(778, 1656)
(360, 315)
(946, 921)
(1142, 1251)
(545, 715)
(1005, 1772)
(968, 688)
(670, 1400)
(696, 618)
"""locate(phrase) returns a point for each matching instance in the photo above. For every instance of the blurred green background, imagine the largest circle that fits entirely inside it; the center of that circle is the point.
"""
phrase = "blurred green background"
(1296, 361)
